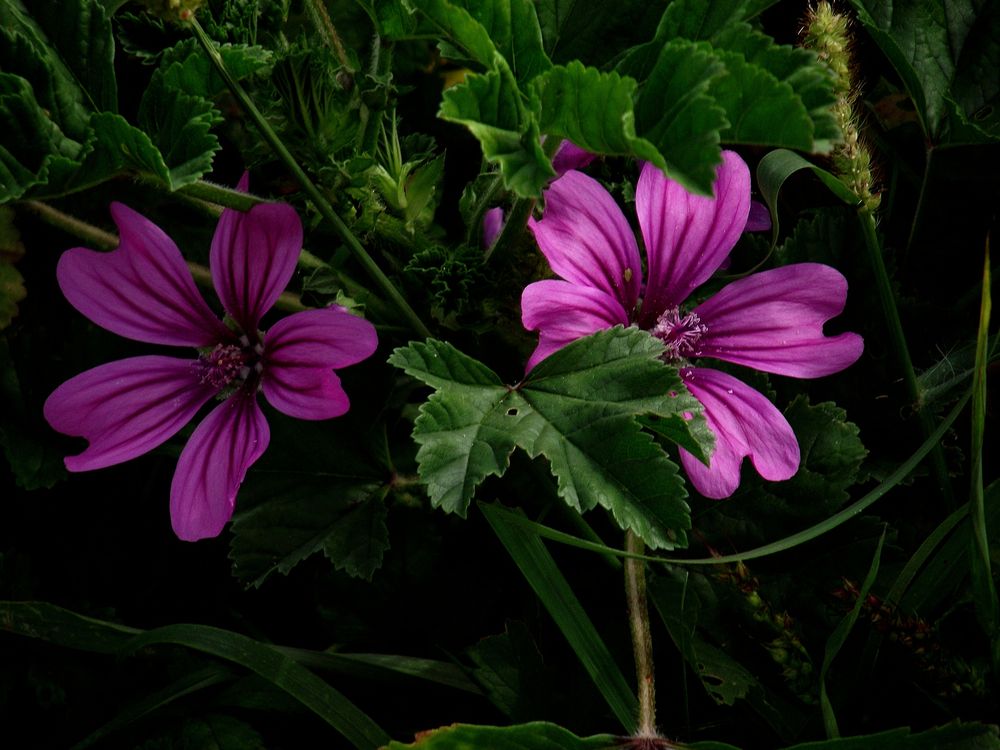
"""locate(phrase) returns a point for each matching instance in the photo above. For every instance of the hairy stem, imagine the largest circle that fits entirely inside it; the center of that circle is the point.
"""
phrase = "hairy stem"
(517, 218)
(317, 197)
(642, 642)
(316, 9)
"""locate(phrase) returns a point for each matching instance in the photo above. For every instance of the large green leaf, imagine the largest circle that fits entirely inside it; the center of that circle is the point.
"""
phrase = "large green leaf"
(490, 105)
(811, 81)
(593, 31)
(577, 408)
(593, 109)
(946, 53)
(180, 126)
(677, 114)
(71, 57)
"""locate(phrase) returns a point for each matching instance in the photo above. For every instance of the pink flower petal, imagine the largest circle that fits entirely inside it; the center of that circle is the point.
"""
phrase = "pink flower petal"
(688, 236)
(300, 354)
(587, 240)
(562, 312)
(570, 156)
(126, 408)
(213, 464)
(773, 321)
(253, 258)
(745, 423)
(759, 218)
(492, 226)
(143, 290)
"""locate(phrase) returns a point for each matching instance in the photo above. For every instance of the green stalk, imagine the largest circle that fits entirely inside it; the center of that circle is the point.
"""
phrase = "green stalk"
(902, 352)
(642, 641)
(321, 203)
(517, 218)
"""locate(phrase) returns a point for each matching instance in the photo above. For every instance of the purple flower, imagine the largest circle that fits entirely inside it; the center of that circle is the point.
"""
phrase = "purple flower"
(143, 290)
(770, 321)
(568, 156)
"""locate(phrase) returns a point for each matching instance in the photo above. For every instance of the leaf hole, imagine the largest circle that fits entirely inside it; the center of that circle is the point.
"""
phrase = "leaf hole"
(512, 412)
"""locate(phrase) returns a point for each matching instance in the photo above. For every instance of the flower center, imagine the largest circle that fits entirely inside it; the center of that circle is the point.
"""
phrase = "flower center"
(679, 333)
(223, 364)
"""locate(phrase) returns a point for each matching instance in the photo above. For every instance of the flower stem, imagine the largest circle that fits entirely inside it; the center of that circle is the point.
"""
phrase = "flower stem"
(321, 203)
(902, 352)
(517, 219)
(642, 642)
(71, 225)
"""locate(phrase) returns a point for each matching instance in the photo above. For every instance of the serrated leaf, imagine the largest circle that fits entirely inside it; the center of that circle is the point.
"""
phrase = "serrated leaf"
(811, 81)
(677, 114)
(761, 109)
(322, 494)
(33, 143)
(490, 106)
(536, 735)
(723, 678)
(180, 126)
(479, 29)
(577, 408)
(73, 42)
(186, 67)
(593, 109)
(945, 51)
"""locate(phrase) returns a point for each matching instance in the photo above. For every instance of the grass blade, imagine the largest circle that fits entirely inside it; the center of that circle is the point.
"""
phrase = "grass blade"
(544, 576)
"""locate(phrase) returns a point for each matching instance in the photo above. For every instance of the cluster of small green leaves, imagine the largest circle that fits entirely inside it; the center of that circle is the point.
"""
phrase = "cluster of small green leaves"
(705, 78)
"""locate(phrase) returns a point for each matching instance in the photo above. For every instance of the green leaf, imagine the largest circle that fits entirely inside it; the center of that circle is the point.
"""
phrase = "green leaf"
(577, 408)
(778, 166)
(677, 114)
(12, 288)
(186, 67)
(723, 678)
(698, 19)
(60, 626)
(811, 81)
(478, 29)
(593, 109)
(490, 106)
(180, 126)
(839, 636)
(510, 669)
(954, 736)
(555, 594)
(593, 31)
(72, 59)
(945, 51)
(33, 143)
(537, 735)
(320, 495)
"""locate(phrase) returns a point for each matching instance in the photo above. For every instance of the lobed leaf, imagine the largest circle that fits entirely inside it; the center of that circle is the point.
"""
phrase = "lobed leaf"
(577, 409)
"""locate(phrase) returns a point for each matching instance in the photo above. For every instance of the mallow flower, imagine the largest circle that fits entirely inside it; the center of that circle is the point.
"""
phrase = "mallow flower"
(770, 321)
(143, 290)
